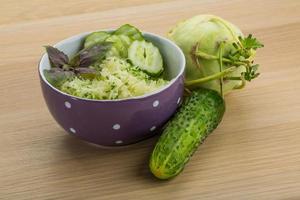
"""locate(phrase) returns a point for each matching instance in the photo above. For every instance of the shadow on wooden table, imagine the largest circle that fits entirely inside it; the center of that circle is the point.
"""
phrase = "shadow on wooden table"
(93, 165)
(127, 162)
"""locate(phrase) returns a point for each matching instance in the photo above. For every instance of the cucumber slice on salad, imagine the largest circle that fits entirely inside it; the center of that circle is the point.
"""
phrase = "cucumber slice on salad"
(130, 31)
(146, 56)
(126, 40)
(95, 37)
(119, 47)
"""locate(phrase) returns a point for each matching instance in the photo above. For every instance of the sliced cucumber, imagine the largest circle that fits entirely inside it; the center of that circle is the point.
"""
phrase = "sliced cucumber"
(95, 37)
(146, 56)
(126, 40)
(119, 47)
(129, 31)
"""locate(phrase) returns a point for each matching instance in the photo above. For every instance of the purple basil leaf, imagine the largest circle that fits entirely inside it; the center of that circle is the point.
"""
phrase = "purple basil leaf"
(57, 58)
(56, 76)
(85, 72)
(91, 54)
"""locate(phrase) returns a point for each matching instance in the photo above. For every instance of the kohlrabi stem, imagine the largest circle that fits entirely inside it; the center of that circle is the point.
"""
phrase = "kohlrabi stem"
(213, 57)
(242, 84)
(211, 77)
(239, 56)
(233, 78)
(237, 79)
(221, 66)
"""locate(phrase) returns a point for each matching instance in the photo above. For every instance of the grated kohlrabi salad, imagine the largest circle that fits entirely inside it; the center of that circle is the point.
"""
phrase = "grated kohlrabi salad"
(116, 65)
(117, 79)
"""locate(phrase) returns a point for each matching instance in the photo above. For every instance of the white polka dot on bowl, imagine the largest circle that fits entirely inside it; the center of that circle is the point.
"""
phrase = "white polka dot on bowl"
(116, 126)
(68, 104)
(152, 128)
(72, 130)
(119, 142)
(178, 101)
(155, 103)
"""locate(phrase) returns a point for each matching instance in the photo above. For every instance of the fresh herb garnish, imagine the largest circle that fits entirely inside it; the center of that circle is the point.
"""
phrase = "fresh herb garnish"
(56, 76)
(63, 68)
(57, 58)
(91, 54)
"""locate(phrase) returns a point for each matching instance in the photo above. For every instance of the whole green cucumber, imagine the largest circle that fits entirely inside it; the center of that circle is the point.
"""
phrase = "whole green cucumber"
(199, 115)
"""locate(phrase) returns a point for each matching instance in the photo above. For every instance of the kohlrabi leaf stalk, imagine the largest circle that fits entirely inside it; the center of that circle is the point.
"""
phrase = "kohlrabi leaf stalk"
(240, 56)
(218, 56)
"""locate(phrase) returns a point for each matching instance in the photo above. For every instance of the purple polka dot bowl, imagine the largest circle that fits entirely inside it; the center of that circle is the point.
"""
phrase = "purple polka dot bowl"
(117, 122)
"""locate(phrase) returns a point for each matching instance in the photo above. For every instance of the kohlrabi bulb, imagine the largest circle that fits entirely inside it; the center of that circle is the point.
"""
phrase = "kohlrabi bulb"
(203, 34)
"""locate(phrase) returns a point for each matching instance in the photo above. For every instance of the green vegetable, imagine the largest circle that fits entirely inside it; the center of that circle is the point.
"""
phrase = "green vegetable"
(217, 55)
(125, 40)
(102, 69)
(218, 58)
(122, 38)
(130, 31)
(120, 46)
(116, 79)
(199, 115)
(95, 37)
(146, 56)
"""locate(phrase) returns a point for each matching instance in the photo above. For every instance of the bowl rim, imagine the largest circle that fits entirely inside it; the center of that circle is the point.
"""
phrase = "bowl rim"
(75, 37)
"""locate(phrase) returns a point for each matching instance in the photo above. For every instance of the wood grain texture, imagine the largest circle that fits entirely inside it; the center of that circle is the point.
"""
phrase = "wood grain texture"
(254, 153)
(14, 11)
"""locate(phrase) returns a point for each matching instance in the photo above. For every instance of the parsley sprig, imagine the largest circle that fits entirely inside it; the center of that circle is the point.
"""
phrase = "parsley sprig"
(241, 55)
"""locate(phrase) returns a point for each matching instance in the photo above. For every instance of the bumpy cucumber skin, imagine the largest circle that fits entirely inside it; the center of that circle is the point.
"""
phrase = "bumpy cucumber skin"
(199, 115)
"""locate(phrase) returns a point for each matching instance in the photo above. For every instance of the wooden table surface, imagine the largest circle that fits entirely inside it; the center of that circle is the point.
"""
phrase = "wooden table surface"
(254, 154)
